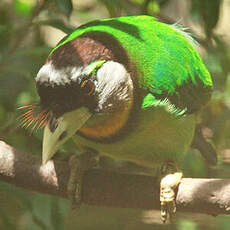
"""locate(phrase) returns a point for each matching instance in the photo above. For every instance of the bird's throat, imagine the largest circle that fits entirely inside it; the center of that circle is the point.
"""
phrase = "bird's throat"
(108, 126)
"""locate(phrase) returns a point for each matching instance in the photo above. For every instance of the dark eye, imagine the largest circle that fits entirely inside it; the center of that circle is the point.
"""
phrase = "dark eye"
(88, 87)
(62, 136)
(53, 123)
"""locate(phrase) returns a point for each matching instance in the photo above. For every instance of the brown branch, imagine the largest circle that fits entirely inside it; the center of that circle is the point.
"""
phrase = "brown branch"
(102, 188)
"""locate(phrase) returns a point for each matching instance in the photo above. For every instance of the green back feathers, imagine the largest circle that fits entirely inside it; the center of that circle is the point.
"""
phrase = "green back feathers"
(168, 66)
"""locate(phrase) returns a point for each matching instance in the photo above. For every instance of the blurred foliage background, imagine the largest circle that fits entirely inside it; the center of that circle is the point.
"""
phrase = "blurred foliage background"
(28, 31)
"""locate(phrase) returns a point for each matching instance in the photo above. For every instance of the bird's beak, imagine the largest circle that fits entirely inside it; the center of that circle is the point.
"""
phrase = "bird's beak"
(67, 125)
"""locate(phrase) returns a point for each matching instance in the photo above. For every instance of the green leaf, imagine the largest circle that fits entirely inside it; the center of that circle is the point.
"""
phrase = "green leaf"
(209, 11)
(58, 24)
(2, 113)
(184, 224)
(114, 7)
(23, 7)
(153, 8)
(162, 2)
(223, 222)
(65, 6)
(139, 2)
(23, 98)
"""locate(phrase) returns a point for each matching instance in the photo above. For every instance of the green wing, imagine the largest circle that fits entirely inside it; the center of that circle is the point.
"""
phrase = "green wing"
(181, 82)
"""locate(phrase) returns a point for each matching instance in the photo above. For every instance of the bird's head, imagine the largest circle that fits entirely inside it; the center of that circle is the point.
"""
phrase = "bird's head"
(71, 95)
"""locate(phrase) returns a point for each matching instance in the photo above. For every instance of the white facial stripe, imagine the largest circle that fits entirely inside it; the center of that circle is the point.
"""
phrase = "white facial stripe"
(48, 73)
(113, 80)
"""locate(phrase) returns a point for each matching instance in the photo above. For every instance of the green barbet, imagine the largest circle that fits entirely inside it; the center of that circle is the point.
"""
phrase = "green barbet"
(128, 88)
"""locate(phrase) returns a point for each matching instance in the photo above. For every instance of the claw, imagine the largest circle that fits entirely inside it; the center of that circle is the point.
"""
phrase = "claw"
(167, 195)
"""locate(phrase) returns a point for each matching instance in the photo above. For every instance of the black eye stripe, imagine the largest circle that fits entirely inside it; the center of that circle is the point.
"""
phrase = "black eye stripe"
(60, 98)
(65, 98)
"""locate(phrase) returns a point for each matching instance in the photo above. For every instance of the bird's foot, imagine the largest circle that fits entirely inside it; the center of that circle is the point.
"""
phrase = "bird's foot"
(78, 164)
(167, 193)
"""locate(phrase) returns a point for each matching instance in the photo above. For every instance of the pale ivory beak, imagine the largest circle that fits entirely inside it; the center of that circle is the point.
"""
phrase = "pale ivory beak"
(67, 126)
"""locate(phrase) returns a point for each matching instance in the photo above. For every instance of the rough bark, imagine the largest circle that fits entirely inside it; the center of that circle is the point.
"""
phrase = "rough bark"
(103, 188)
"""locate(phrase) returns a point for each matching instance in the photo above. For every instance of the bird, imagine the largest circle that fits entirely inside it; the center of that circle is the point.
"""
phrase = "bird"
(129, 88)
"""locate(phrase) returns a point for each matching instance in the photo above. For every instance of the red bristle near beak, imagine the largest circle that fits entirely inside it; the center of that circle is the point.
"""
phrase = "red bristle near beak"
(26, 106)
(45, 120)
(27, 116)
(35, 125)
(30, 123)
(42, 115)
(40, 118)
(26, 121)
(42, 124)
(28, 112)
(34, 117)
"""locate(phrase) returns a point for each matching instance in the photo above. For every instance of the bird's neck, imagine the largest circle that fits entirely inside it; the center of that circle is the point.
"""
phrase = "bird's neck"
(105, 126)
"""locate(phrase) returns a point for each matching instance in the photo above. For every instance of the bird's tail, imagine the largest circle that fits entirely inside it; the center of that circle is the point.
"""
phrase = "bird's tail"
(206, 149)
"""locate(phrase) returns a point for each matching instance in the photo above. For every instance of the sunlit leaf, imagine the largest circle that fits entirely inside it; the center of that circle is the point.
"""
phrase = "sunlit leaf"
(138, 1)
(23, 98)
(23, 7)
(153, 8)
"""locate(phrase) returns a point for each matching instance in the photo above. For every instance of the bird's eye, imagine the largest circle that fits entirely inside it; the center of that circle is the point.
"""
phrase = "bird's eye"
(88, 87)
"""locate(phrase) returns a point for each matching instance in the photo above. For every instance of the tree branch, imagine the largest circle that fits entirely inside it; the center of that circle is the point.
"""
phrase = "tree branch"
(102, 188)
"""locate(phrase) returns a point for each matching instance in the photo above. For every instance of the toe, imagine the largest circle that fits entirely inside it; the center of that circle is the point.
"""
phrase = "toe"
(167, 195)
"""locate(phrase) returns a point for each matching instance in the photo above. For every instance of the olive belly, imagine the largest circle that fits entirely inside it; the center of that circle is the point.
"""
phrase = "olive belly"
(156, 138)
